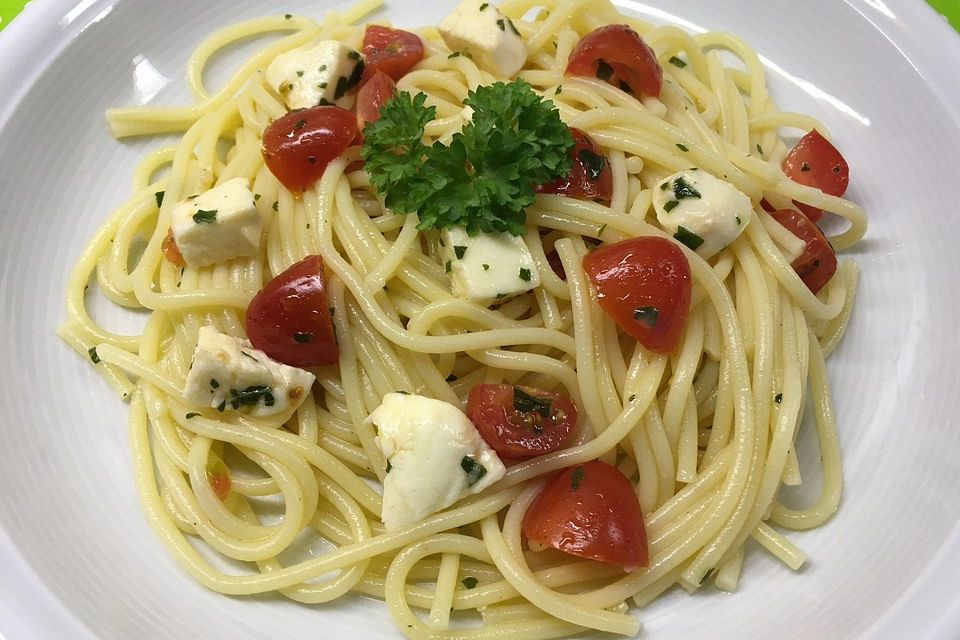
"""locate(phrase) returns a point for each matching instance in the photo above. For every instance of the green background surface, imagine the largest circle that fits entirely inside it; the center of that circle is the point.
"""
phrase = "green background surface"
(949, 8)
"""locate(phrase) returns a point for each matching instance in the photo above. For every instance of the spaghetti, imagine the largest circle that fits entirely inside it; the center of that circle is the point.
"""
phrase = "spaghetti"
(706, 434)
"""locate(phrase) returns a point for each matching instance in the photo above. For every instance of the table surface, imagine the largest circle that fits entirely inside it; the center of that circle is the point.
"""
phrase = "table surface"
(949, 8)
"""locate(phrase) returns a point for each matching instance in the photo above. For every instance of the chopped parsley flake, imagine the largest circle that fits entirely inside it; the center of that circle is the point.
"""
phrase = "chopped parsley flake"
(683, 189)
(688, 237)
(205, 217)
(159, 196)
(447, 267)
(525, 274)
(389, 466)
(470, 582)
(251, 396)
(92, 351)
(486, 267)
(778, 398)
(647, 315)
(191, 415)
(576, 479)
(670, 206)
(804, 167)
(526, 403)
(484, 6)
(459, 251)
(677, 62)
(501, 24)
(214, 384)
(299, 73)
(474, 470)
(682, 147)
(593, 163)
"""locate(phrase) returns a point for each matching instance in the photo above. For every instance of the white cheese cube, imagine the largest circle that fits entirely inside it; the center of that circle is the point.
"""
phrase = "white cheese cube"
(436, 457)
(217, 225)
(705, 206)
(228, 373)
(321, 74)
(492, 40)
(488, 266)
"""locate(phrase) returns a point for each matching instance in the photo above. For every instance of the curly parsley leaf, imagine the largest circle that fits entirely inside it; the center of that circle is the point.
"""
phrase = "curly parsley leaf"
(484, 179)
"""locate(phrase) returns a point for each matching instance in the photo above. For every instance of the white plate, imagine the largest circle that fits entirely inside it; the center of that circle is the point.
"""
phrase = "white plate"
(77, 559)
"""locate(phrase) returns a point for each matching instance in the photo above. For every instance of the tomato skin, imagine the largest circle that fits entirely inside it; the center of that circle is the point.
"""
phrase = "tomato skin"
(818, 262)
(298, 147)
(171, 251)
(392, 51)
(590, 511)
(289, 319)
(815, 162)
(373, 95)
(584, 182)
(516, 434)
(631, 61)
(637, 274)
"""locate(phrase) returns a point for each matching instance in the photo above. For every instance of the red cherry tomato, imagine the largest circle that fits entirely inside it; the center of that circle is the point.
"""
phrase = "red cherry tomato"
(298, 146)
(617, 54)
(590, 511)
(373, 95)
(392, 51)
(171, 251)
(818, 262)
(591, 177)
(521, 422)
(290, 320)
(646, 286)
(815, 162)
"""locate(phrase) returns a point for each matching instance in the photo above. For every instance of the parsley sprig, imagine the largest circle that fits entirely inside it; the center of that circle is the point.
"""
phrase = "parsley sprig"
(484, 179)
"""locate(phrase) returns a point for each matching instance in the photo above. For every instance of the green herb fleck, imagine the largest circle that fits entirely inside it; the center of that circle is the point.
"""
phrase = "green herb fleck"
(804, 167)
(557, 92)
(484, 6)
(256, 197)
(276, 205)
(576, 479)
(451, 378)
(299, 73)
(670, 206)
(778, 398)
(632, 398)
(459, 251)
(447, 267)
(354, 55)
(525, 274)
(300, 125)
(593, 163)
(601, 229)
(647, 315)
(92, 351)
(683, 189)
(214, 384)
(159, 196)
(474, 470)
(191, 415)
(682, 147)
(455, 54)
(470, 582)
(303, 336)
(389, 466)
(500, 23)
(205, 217)
(251, 396)
(604, 70)
(665, 186)
(688, 237)
(288, 16)
(738, 220)
(759, 149)
(526, 403)
(486, 267)
(677, 62)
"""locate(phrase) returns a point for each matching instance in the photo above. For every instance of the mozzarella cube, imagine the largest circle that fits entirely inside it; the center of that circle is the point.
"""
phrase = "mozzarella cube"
(488, 266)
(217, 225)
(490, 37)
(436, 457)
(707, 208)
(228, 373)
(321, 74)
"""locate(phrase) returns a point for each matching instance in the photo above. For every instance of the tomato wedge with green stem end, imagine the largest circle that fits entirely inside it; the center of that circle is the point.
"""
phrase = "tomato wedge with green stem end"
(521, 422)
(618, 55)
(646, 286)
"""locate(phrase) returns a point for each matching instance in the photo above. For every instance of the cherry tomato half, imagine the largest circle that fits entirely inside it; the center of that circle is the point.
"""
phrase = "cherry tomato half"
(298, 147)
(590, 178)
(373, 95)
(590, 511)
(815, 162)
(617, 54)
(290, 319)
(521, 422)
(646, 286)
(392, 51)
(818, 262)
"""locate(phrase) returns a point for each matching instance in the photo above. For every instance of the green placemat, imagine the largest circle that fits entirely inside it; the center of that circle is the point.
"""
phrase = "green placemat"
(949, 8)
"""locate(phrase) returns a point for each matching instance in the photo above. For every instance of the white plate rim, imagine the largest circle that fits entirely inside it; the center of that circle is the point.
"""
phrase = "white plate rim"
(31, 42)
